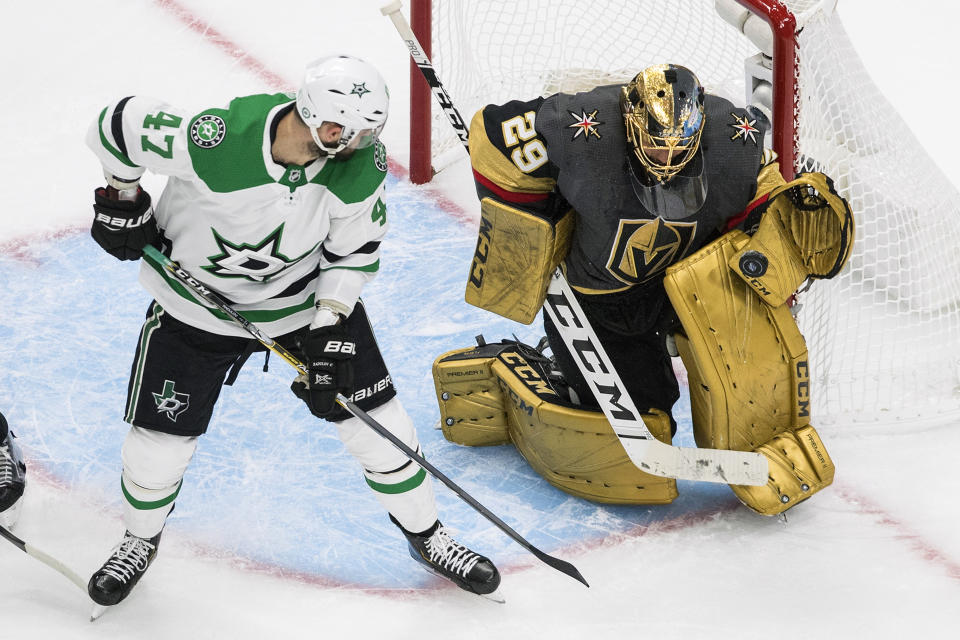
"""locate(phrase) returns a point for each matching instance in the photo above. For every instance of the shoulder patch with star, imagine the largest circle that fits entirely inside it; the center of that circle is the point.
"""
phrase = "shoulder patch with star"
(585, 124)
(380, 156)
(744, 129)
(208, 131)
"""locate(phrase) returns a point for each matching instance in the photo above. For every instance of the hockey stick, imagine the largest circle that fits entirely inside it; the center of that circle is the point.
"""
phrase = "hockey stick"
(45, 558)
(643, 449)
(212, 298)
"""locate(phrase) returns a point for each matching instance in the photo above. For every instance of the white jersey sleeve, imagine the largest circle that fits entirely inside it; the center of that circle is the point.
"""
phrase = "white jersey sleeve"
(138, 133)
(351, 250)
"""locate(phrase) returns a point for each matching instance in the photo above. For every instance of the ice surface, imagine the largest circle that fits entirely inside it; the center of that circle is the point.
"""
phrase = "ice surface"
(275, 533)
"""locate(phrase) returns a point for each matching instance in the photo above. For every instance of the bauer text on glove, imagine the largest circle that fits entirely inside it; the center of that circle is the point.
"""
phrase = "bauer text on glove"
(123, 227)
(328, 352)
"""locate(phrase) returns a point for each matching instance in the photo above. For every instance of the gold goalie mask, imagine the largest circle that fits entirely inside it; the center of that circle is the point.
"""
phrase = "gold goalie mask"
(662, 109)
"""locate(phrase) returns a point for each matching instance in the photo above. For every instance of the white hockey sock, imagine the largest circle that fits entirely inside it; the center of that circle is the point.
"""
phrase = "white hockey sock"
(400, 485)
(153, 468)
(410, 501)
(145, 510)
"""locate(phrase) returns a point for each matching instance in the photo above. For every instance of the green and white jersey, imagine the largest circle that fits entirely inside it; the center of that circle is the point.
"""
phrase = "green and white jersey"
(269, 238)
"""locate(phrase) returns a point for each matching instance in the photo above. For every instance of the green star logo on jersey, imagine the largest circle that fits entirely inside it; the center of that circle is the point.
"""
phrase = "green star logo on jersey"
(360, 89)
(258, 262)
(170, 401)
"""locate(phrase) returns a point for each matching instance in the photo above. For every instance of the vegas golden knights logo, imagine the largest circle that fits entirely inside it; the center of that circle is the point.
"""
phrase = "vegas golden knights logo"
(644, 248)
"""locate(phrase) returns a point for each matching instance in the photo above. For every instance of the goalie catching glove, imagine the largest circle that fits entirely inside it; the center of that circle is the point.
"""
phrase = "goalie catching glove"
(806, 231)
(327, 352)
(123, 227)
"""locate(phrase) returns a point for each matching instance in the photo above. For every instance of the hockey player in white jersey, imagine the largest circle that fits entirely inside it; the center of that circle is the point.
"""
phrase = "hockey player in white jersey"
(276, 203)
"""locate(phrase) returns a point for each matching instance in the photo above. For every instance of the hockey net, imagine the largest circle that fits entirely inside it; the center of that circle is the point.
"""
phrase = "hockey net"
(884, 336)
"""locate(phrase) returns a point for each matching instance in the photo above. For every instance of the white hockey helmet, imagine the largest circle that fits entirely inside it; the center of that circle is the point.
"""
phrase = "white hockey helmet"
(347, 91)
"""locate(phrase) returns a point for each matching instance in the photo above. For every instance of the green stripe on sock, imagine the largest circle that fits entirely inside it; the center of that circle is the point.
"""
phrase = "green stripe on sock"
(401, 487)
(147, 506)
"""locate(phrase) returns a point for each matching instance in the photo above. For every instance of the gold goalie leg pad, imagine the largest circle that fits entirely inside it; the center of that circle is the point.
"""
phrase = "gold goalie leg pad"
(472, 410)
(799, 467)
(491, 394)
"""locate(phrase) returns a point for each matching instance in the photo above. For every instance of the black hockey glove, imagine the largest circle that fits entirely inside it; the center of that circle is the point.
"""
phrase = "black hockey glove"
(327, 351)
(123, 227)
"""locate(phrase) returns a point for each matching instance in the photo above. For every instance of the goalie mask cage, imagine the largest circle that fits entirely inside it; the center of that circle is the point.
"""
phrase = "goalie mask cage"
(883, 336)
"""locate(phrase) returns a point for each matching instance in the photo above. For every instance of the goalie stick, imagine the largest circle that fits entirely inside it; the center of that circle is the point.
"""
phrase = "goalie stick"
(645, 451)
(212, 298)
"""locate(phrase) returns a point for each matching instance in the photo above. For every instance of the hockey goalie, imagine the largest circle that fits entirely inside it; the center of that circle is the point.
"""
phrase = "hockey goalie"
(679, 236)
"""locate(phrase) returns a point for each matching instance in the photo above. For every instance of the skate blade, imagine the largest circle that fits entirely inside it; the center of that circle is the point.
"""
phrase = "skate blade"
(97, 611)
(496, 596)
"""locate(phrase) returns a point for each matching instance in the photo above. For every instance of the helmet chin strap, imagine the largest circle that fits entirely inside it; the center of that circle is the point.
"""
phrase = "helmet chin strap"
(331, 152)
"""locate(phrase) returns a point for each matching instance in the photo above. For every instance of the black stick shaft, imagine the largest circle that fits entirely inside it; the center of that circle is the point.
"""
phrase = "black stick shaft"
(211, 297)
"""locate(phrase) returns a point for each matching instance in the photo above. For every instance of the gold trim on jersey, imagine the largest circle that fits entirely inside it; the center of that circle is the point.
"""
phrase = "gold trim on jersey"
(490, 161)
(769, 177)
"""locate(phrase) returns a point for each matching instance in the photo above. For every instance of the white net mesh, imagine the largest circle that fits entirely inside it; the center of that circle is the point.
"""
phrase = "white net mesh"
(498, 50)
(884, 336)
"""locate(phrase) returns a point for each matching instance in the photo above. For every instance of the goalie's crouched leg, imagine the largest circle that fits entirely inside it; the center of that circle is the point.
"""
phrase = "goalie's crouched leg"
(497, 393)
(748, 375)
(799, 467)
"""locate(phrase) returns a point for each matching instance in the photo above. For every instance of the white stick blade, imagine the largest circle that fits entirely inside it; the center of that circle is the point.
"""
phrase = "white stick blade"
(703, 465)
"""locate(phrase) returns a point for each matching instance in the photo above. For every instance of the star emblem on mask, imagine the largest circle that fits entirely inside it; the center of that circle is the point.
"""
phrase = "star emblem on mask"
(585, 124)
(744, 129)
(258, 262)
(359, 89)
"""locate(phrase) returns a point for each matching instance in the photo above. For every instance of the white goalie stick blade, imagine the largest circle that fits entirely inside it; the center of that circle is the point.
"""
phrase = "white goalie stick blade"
(645, 451)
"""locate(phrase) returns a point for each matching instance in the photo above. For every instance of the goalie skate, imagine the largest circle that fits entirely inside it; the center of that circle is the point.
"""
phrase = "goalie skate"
(442, 555)
(122, 570)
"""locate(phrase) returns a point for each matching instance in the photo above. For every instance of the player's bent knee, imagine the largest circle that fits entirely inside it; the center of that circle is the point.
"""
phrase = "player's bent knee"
(155, 460)
(749, 376)
(373, 451)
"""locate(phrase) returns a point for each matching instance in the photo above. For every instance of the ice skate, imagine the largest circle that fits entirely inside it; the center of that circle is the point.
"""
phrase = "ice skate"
(122, 570)
(13, 479)
(441, 554)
